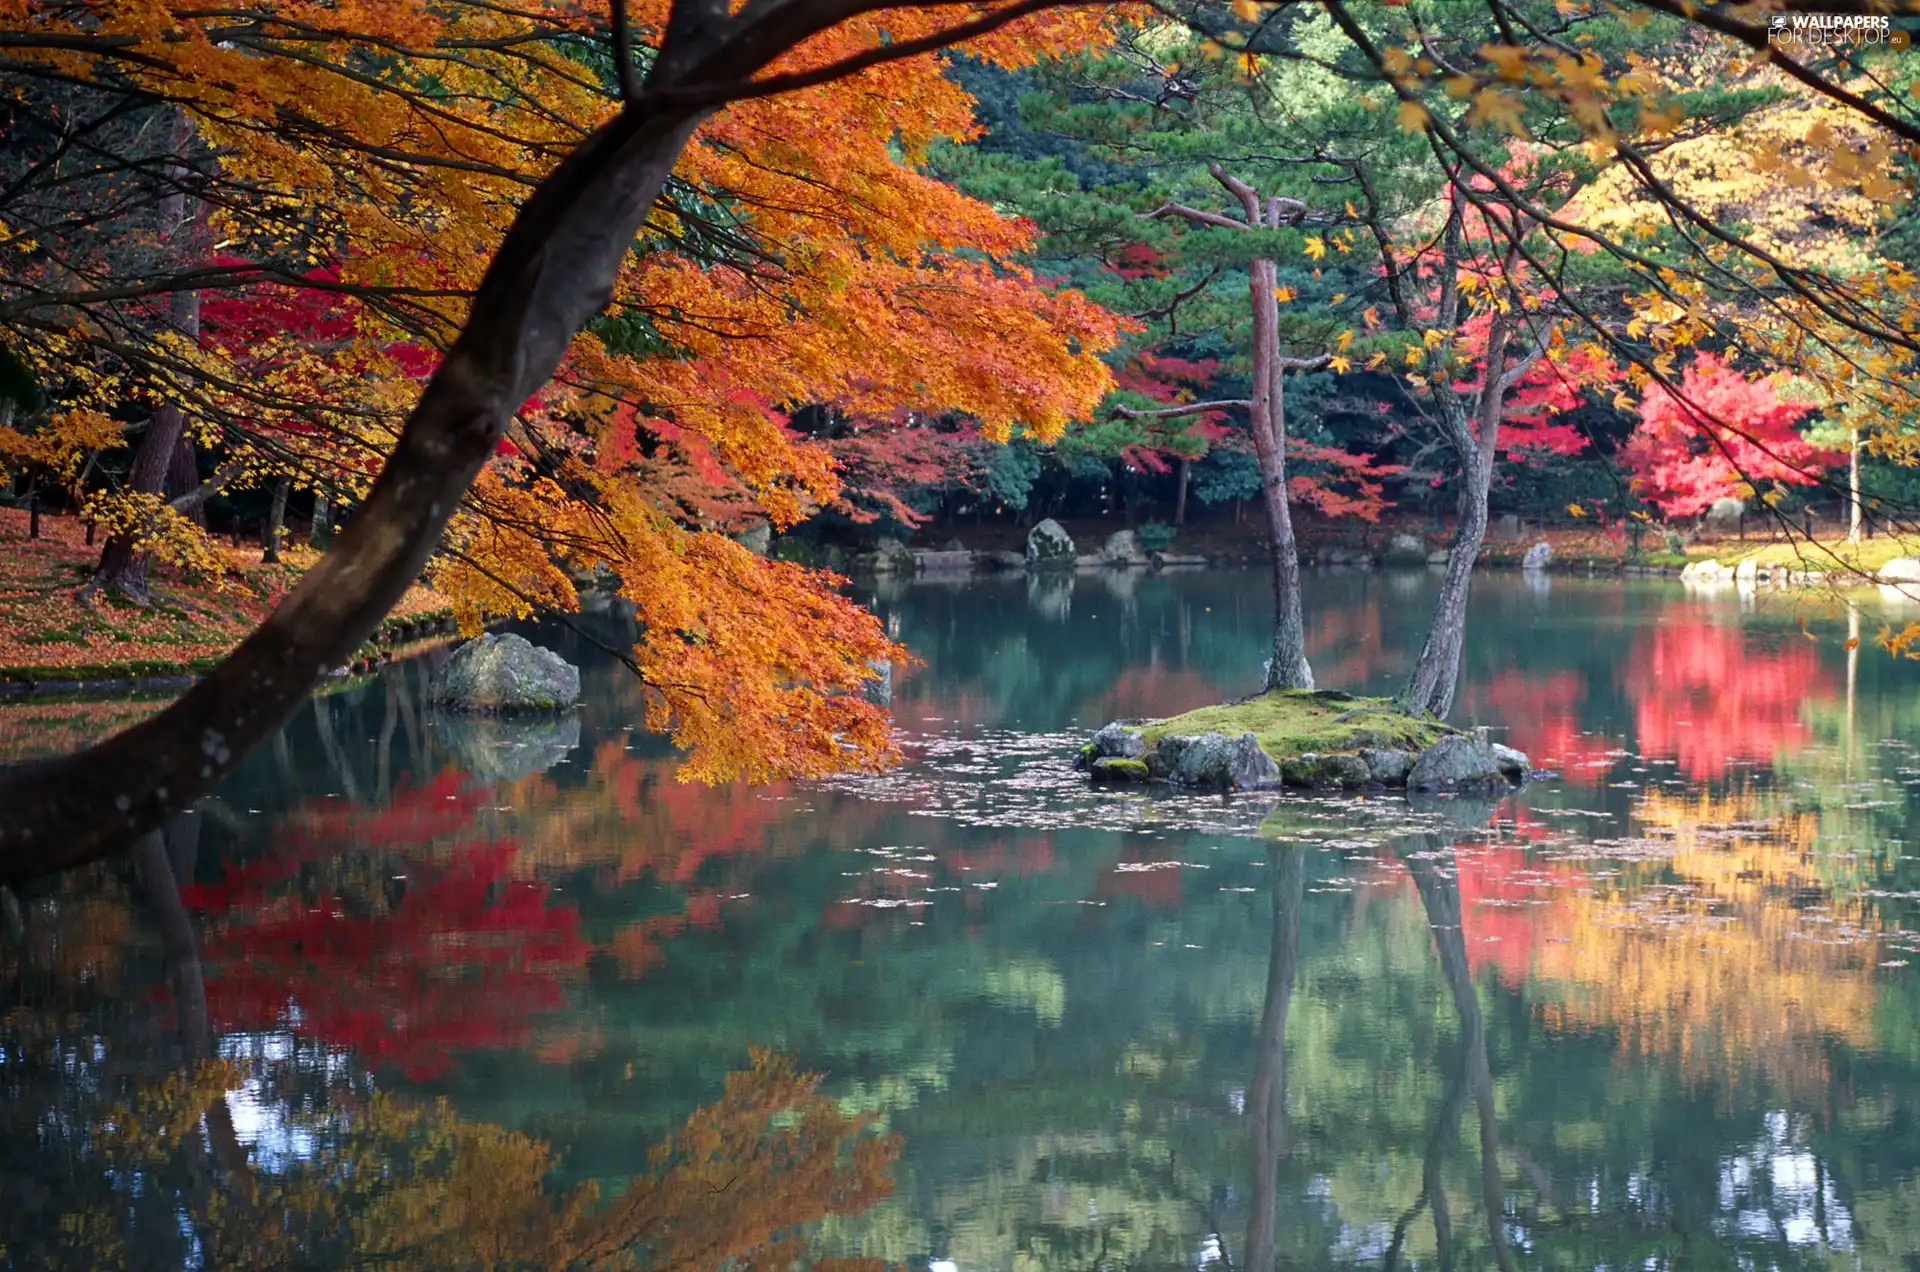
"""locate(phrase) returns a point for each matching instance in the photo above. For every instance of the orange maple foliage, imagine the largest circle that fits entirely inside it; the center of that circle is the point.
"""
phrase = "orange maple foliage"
(801, 256)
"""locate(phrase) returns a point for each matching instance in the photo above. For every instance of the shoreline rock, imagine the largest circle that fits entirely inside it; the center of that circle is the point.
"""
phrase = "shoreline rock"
(503, 673)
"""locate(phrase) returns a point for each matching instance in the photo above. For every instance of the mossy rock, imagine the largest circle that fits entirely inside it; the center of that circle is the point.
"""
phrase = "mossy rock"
(1116, 770)
(1296, 722)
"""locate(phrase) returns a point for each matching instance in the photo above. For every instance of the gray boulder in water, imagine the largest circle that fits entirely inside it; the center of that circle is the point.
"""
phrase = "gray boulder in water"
(1462, 764)
(495, 748)
(505, 673)
(1538, 557)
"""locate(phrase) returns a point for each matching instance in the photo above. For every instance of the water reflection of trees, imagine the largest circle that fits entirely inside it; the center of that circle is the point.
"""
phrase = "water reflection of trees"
(145, 1142)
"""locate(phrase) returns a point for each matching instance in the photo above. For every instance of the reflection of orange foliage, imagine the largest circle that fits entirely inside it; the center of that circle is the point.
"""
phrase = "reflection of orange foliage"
(1707, 694)
(1746, 960)
(636, 946)
(633, 818)
(1542, 713)
(1153, 690)
(1347, 647)
(394, 1182)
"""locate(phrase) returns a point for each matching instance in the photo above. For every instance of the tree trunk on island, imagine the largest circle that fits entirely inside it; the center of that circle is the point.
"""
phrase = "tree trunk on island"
(1436, 675)
(1853, 487)
(1288, 668)
(1470, 424)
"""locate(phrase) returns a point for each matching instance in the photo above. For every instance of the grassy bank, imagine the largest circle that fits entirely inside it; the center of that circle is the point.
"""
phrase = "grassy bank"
(48, 635)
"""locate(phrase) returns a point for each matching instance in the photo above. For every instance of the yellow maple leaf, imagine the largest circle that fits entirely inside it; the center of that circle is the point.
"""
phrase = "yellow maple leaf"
(1412, 116)
(1371, 316)
(1344, 340)
(1576, 510)
(1339, 365)
(1314, 247)
(1284, 294)
(1377, 361)
(1246, 10)
(1509, 61)
(1337, 298)
(1433, 339)
(1499, 108)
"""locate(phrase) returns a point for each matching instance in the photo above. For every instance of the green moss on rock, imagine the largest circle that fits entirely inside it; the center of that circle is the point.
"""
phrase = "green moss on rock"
(1115, 769)
(1293, 722)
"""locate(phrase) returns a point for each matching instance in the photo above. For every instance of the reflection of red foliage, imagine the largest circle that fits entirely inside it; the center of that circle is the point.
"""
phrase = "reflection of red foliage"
(1509, 908)
(1030, 856)
(378, 929)
(1159, 889)
(1542, 715)
(1706, 694)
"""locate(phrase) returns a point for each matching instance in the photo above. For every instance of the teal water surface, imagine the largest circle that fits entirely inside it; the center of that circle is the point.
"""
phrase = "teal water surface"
(423, 992)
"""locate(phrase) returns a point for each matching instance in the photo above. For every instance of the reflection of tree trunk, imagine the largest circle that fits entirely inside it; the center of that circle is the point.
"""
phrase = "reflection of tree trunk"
(1180, 492)
(330, 747)
(1432, 1190)
(1440, 896)
(1853, 676)
(383, 751)
(154, 869)
(1267, 1097)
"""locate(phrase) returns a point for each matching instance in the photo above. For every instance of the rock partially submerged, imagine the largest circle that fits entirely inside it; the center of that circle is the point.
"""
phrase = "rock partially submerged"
(1461, 763)
(505, 673)
(1301, 739)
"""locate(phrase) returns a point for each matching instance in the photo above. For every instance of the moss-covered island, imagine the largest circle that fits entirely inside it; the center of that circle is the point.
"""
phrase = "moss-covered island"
(1300, 738)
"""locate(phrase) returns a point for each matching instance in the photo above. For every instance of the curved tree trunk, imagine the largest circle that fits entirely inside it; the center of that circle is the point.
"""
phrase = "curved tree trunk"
(555, 269)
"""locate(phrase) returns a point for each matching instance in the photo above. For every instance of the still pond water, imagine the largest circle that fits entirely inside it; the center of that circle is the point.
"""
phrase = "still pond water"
(412, 993)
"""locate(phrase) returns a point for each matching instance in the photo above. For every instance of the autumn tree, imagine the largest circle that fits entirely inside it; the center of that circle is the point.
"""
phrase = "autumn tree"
(742, 652)
(1717, 438)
